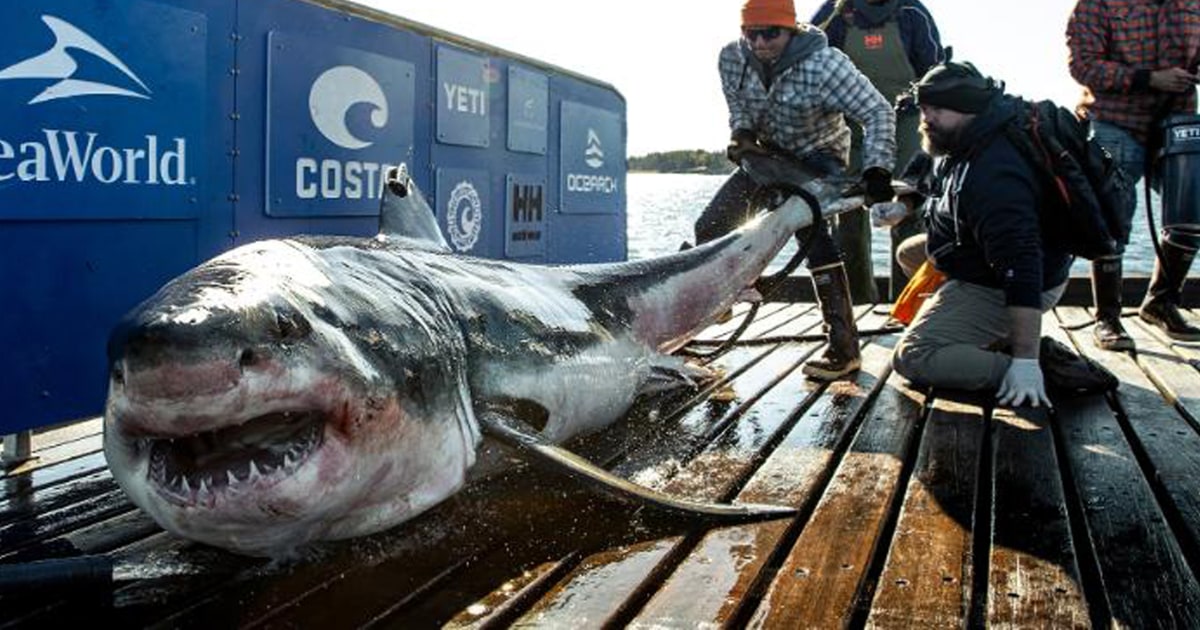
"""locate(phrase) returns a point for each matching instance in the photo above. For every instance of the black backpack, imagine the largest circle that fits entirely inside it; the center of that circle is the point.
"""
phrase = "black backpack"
(1090, 195)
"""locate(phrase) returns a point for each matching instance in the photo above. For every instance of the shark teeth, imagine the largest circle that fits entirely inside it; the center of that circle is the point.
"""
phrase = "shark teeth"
(199, 468)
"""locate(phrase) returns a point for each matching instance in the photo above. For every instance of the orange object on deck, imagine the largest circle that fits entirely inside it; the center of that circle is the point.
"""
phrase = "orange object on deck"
(923, 283)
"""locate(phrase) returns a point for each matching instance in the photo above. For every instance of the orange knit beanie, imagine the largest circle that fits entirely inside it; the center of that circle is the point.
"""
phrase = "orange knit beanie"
(769, 13)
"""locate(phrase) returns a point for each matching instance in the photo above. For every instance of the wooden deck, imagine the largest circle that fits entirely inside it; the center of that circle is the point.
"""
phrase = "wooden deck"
(916, 509)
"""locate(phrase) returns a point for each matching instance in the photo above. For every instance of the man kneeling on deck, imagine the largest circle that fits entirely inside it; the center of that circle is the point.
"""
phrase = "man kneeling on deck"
(981, 330)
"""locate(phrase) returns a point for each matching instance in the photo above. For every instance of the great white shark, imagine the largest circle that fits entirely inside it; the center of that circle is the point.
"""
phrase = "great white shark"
(323, 387)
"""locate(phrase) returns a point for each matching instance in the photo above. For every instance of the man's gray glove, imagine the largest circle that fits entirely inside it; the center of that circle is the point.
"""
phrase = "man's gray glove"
(1023, 382)
(877, 185)
(741, 143)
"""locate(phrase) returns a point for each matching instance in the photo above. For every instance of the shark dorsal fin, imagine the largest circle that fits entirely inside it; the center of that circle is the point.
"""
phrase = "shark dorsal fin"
(404, 214)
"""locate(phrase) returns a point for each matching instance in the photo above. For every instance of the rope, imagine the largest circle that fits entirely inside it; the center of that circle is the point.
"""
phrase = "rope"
(770, 285)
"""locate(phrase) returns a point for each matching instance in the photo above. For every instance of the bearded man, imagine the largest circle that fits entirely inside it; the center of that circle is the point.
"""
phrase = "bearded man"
(981, 330)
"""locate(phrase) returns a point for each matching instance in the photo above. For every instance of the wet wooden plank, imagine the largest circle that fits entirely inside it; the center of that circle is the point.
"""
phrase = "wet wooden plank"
(61, 472)
(826, 570)
(30, 501)
(1034, 578)
(1139, 559)
(1169, 368)
(25, 534)
(770, 317)
(926, 580)
(503, 605)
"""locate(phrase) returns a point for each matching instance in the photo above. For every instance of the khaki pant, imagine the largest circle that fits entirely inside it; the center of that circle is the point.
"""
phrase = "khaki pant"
(946, 344)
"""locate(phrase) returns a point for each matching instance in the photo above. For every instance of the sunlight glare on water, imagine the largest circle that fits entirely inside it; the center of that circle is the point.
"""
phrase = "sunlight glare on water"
(663, 207)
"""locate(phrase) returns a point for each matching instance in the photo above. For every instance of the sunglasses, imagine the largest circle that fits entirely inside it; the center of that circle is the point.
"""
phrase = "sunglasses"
(765, 34)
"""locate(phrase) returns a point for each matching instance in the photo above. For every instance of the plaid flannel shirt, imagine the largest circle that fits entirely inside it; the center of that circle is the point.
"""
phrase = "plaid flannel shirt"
(1114, 44)
(803, 111)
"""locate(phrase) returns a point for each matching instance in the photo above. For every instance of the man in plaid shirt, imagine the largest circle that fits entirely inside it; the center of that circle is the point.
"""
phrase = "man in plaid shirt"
(1137, 60)
(787, 92)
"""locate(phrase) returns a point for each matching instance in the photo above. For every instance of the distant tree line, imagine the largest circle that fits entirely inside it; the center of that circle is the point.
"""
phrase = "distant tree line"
(687, 161)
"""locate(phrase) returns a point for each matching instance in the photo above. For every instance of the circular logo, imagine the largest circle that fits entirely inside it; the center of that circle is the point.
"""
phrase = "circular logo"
(333, 94)
(464, 216)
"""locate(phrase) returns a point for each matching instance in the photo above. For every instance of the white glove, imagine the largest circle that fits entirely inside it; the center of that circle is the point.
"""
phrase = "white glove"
(1023, 381)
(888, 213)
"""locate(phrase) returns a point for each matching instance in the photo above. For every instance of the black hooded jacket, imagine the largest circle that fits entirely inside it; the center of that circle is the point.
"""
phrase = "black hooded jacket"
(984, 223)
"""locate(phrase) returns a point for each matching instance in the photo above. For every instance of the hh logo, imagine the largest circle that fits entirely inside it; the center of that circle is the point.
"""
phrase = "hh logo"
(335, 93)
(873, 41)
(57, 63)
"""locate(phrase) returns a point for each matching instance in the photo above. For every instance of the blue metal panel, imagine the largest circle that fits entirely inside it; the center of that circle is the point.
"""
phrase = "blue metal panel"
(586, 238)
(463, 97)
(96, 105)
(592, 153)
(337, 119)
(528, 110)
(112, 172)
(313, 40)
(75, 280)
(465, 212)
(525, 217)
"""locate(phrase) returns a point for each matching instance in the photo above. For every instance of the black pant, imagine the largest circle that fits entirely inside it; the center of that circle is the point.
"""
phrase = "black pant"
(730, 208)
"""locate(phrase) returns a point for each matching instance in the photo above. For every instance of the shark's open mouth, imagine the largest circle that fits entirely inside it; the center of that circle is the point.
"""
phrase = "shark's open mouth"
(195, 467)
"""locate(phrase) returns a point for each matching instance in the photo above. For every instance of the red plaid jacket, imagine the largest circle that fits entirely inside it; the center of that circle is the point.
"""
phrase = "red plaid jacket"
(1114, 44)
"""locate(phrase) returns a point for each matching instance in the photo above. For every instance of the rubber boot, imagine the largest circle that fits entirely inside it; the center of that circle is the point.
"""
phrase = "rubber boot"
(841, 354)
(1161, 306)
(852, 231)
(1108, 333)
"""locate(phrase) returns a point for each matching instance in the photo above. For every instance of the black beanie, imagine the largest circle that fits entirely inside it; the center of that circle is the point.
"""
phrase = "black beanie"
(956, 86)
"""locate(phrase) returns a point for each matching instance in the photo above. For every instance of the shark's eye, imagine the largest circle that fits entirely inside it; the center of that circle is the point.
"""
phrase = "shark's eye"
(290, 325)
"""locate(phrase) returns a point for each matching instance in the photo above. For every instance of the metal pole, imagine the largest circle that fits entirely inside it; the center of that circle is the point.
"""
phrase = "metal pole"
(18, 449)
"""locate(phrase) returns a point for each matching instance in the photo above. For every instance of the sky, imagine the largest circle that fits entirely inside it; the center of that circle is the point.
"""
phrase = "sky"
(662, 54)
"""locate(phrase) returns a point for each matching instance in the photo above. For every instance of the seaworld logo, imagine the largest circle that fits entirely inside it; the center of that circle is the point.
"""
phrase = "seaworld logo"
(57, 63)
(63, 155)
(334, 95)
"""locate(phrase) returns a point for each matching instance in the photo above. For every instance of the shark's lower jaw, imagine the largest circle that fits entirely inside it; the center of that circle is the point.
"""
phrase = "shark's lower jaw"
(261, 452)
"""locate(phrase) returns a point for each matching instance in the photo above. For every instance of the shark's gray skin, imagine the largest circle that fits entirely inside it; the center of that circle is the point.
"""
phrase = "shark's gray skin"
(324, 387)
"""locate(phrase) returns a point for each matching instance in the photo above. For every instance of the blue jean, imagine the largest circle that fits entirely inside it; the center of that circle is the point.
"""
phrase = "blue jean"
(1131, 157)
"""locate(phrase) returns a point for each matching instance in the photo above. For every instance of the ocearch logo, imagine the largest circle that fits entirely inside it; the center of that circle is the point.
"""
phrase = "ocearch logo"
(57, 63)
(593, 156)
(70, 155)
(333, 95)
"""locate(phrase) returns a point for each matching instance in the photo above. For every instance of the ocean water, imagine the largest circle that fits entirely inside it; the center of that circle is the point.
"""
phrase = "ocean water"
(663, 206)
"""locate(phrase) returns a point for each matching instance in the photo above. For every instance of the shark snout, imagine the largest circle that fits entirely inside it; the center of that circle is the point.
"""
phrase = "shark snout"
(182, 359)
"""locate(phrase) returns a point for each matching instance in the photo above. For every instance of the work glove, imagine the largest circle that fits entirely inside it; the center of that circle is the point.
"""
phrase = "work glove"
(888, 213)
(743, 142)
(877, 185)
(1023, 382)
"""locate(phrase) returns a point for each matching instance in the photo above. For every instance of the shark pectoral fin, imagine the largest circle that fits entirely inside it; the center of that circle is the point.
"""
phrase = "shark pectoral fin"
(513, 432)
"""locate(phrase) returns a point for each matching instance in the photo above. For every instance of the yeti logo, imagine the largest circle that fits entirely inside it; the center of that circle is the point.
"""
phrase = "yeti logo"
(335, 93)
(57, 63)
